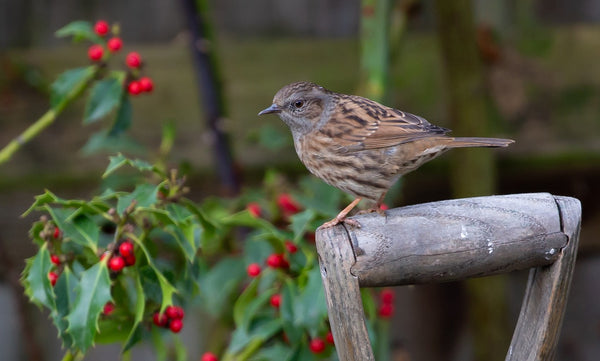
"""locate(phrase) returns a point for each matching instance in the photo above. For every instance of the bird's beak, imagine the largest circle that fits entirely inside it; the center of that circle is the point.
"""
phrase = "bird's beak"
(274, 108)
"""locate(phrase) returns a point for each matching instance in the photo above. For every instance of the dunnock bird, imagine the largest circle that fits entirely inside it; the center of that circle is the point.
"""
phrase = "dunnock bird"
(358, 145)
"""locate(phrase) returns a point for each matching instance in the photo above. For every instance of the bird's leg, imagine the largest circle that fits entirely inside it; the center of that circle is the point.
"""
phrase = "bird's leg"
(341, 217)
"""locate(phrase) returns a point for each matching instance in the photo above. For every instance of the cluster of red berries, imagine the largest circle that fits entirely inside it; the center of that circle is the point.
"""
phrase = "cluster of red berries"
(133, 60)
(287, 207)
(141, 85)
(386, 304)
(172, 318)
(123, 256)
(274, 260)
(286, 204)
(53, 275)
(318, 345)
(114, 44)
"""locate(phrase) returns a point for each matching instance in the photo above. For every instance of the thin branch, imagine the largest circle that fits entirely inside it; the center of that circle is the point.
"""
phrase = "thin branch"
(45, 120)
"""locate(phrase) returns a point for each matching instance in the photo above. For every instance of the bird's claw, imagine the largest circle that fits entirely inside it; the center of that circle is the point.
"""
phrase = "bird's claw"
(338, 220)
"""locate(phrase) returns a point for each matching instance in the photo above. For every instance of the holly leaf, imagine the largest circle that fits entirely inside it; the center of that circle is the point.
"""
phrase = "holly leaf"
(68, 81)
(79, 30)
(167, 289)
(311, 306)
(36, 282)
(218, 286)
(303, 309)
(276, 352)
(301, 222)
(248, 305)
(244, 218)
(123, 119)
(105, 95)
(261, 331)
(41, 200)
(80, 228)
(136, 332)
(116, 162)
(144, 195)
(65, 299)
(93, 291)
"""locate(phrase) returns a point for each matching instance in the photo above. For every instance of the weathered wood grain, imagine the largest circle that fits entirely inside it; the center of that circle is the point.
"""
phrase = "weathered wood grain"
(456, 239)
(545, 300)
(453, 240)
(344, 304)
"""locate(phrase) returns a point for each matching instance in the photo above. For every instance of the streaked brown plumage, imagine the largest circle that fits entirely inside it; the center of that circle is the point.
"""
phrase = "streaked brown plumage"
(358, 145)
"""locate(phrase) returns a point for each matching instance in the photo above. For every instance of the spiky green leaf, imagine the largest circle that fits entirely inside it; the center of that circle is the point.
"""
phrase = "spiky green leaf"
(93, 291)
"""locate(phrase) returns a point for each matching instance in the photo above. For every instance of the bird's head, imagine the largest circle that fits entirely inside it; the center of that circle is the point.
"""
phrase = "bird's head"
(300, 105)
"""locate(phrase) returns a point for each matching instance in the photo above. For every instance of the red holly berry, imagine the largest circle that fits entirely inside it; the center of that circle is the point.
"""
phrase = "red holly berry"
(253, 269)
(126, 249)
(384, 207)
(254, 209)
(109, 307)
(95, 52)
(134, 88)
(387, 296)
(317, 345)
(133, 60)
(114, 44)
(53, 277)
(146, 84)
(56, 232)
(276, 300)
(54, 259)
(176, 325)
(291, 247)
(287, 204)
(209, 356)
(101, 27)
(160, 320)
(129, 260)
(174, 312)
(329, 338)
(116, 263)
(386, 310)
(274, 260)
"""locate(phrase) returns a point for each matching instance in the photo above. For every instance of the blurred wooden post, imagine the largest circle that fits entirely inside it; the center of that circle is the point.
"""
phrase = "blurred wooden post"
(454, 240)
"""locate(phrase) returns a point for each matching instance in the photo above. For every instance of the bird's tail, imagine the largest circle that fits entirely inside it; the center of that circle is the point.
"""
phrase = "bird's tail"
(479, 142)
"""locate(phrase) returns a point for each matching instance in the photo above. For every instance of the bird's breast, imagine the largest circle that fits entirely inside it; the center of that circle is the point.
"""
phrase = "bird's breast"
(362, 174)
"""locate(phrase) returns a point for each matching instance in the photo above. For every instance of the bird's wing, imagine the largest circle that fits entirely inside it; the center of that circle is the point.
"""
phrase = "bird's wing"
(360, 123)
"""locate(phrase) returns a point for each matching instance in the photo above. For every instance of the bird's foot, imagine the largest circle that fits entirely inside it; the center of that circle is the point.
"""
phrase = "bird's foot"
(337, 220)
(341, 217)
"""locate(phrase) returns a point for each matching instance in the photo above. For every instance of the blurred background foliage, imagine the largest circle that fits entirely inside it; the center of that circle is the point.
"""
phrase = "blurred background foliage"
(539, 70)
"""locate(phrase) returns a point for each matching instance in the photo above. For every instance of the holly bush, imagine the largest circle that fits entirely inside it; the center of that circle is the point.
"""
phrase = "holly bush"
(123, 265)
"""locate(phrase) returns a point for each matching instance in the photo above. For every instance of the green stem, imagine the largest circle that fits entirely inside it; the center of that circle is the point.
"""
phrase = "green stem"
(375, 48)
(45, 120)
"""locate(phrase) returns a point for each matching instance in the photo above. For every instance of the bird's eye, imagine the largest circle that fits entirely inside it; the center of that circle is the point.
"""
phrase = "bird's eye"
(298, 103)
